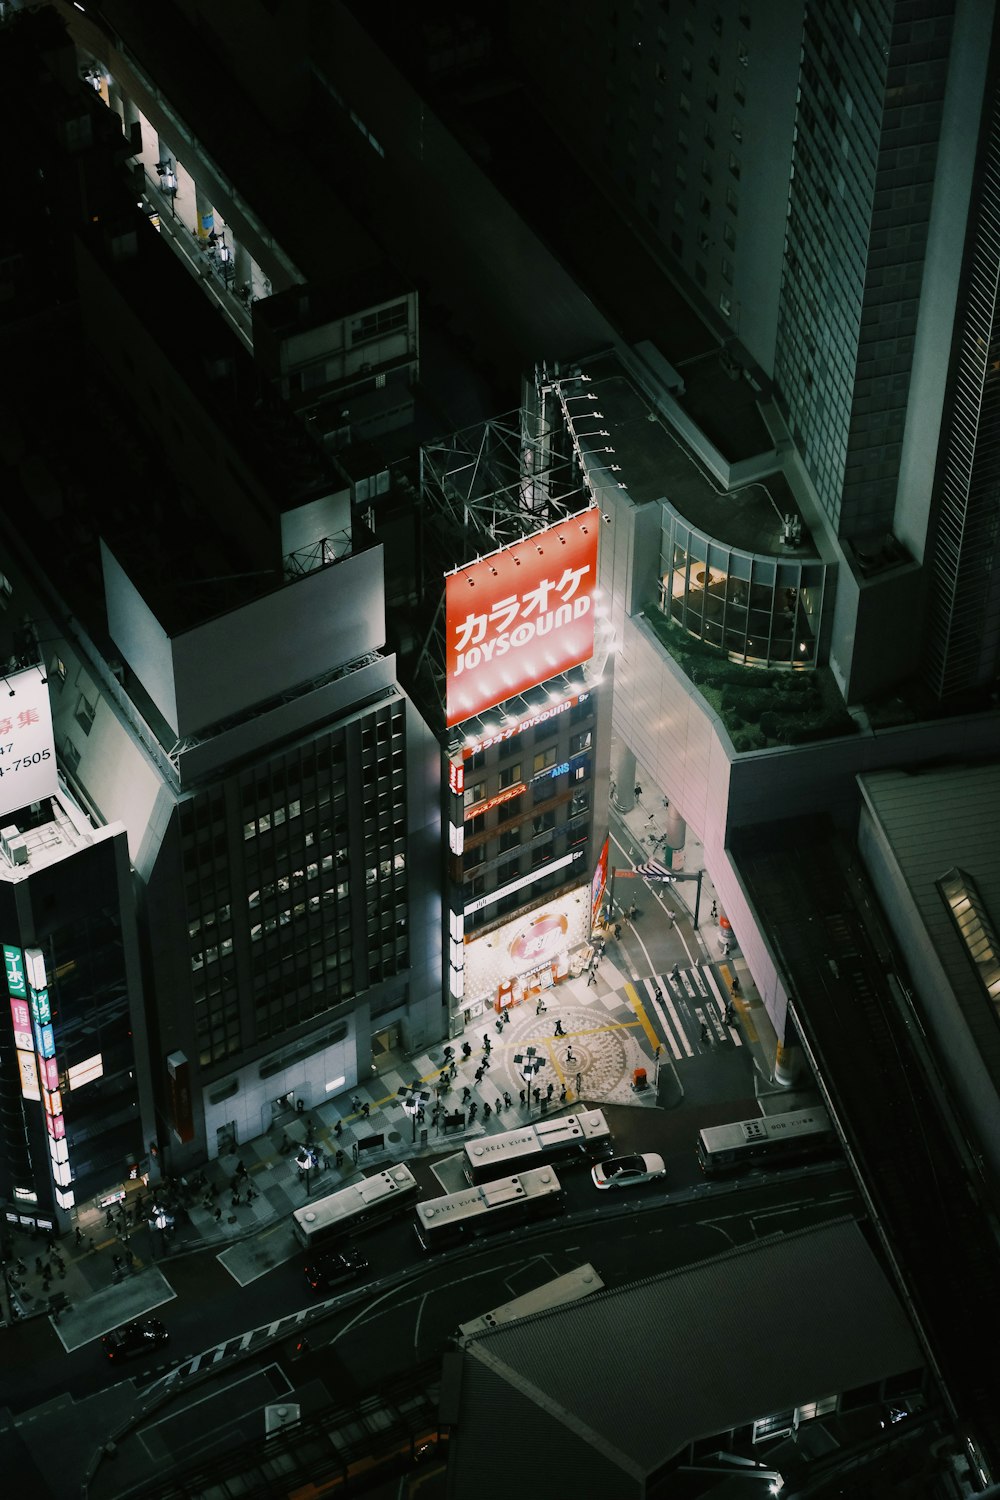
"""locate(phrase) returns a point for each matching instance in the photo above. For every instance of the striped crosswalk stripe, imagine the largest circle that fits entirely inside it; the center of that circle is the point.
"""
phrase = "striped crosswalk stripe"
(668, 1000)
(661, 1017)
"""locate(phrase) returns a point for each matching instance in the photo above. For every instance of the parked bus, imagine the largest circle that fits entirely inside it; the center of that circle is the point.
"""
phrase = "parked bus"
(768, 1140)
(575, 1283)
(353, 1208)
(582, 1137)
(482, 1208)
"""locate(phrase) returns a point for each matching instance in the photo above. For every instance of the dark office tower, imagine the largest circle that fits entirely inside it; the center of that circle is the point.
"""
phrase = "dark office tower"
(963, 625)
(871, 95)
(820, 180)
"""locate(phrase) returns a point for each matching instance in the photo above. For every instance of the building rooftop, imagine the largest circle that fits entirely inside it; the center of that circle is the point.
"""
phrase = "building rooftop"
(656, 464)
(712, 1354)
(56, 830)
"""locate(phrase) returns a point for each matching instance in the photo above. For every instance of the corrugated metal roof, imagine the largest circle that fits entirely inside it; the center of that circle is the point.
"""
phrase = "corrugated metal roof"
(636, 1373)
(931, 821)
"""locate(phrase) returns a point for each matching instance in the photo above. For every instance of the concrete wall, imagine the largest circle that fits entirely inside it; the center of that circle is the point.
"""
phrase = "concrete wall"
(242, 658)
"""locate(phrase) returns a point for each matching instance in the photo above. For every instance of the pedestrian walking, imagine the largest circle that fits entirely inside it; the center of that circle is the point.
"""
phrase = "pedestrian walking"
(633, 912)
(118, 1262)
(505, 1016)
(675, 971)
(549, 1090)
(715, 909)
(241, 1170)
(618, 931)
(562, 1094)
(657, 993)
(540, 1008)
(671, 916)
(236, 1196)
(486, 1065)
(592, 975)
(524, 1097)
(454, 1070)
(734, 988)
(479, 1074)
(579, 1080)
(109, 1220)
(78, 1233)
(472, 1110)
(486, 1041)
(486, 1111)
(366, 1110)
(570, 1055)
(499, 1025)
(466, 1094)
(218, 1215)
(704, 1032)
(506, 1099)
(559, 1029)
(638, 792)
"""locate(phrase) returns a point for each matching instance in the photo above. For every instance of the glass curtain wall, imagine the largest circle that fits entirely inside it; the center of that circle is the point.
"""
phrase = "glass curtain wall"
(764, 611)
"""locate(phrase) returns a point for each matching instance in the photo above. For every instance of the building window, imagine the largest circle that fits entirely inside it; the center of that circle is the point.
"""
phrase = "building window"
(544, 759)
(510, 775)
(373, 325)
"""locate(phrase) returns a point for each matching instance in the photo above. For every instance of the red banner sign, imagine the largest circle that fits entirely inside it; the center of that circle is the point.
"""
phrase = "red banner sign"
(521, 616)
(505, 796)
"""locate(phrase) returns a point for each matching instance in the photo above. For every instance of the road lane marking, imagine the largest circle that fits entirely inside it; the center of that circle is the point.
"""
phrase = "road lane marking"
(651, 1037)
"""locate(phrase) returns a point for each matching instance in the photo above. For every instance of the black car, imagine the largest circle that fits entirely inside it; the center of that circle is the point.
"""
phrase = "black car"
(325, 1272)
(133, 1339)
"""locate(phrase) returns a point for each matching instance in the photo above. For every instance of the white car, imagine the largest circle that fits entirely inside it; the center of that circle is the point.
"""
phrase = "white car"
(628, 1171)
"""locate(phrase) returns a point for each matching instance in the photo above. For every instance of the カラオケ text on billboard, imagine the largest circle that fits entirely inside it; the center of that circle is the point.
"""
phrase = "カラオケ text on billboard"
(521, 616)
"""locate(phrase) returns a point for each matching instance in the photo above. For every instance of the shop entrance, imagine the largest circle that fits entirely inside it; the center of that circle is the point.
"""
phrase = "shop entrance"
(225, 1138)
(386, 1049)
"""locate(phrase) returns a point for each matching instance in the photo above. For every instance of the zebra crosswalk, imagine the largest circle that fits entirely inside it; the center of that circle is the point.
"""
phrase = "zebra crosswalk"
(688, 998)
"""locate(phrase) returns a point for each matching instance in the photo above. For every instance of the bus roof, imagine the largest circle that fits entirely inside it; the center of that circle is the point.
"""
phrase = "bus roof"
(369, 1190)
(566, 1288)
(470, 1201)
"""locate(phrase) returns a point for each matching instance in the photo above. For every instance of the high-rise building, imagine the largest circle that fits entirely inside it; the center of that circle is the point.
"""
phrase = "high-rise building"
(820, 181)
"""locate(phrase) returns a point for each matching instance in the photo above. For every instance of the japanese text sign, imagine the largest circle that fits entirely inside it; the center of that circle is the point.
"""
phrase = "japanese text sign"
(521, 616)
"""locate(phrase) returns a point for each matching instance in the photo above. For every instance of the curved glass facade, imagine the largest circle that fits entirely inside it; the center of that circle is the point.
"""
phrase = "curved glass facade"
(761, 610)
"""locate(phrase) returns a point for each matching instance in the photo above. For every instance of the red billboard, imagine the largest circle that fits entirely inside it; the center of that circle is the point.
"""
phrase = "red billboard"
(520, 616)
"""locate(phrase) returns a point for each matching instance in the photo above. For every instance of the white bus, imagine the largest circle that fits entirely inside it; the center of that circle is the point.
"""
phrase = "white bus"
(488, 1206)
(767, 1140)
(584, 1137)
(575, 1283)
(355, 1207)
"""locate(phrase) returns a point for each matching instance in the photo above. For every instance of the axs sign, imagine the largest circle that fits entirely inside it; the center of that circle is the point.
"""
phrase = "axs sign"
(521, 616)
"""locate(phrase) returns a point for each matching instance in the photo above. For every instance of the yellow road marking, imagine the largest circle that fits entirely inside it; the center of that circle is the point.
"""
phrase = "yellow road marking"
(637, 1006)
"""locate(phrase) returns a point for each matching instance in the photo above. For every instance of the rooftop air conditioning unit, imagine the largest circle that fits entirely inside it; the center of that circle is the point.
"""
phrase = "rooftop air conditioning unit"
(13, 845)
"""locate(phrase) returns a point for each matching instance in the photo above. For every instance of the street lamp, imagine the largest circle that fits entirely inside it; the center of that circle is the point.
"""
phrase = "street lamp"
(306, 1159)
(529, 1064)
(413, 1100)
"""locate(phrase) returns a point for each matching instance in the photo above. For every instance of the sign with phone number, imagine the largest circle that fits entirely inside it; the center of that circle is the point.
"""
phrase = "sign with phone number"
(27, 746)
